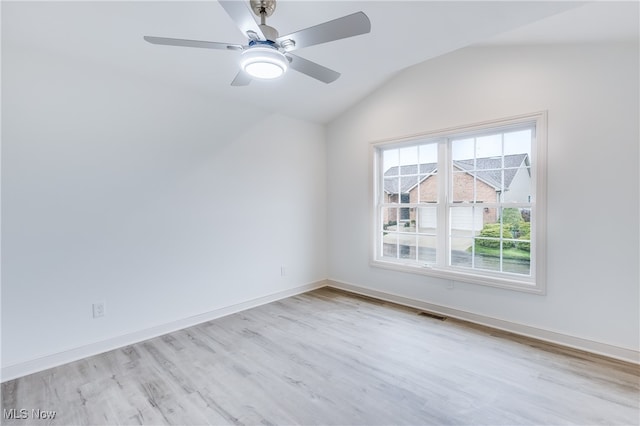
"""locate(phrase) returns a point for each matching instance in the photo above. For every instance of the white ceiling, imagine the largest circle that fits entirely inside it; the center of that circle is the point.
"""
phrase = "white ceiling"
(403, 34)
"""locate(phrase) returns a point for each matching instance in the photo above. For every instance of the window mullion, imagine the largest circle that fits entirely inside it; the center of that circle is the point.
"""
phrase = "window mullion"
(442, 231)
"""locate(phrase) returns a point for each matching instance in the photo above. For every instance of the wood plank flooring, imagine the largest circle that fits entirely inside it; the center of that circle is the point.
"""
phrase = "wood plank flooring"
(329, 357)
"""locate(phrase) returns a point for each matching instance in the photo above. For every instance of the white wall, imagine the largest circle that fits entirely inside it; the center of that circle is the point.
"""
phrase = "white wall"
(591, 94)
(164, 204)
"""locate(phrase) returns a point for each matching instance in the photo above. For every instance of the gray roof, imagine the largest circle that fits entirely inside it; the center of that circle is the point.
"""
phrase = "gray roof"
(407, 182)
(488, 169)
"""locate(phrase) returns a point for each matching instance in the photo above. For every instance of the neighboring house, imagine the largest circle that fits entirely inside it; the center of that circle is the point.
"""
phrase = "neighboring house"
(418, 184)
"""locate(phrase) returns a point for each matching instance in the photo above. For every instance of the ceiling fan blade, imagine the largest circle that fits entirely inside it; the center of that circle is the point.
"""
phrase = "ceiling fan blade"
(192, 43)
(312, 69)
(347, 26)
(243, 17)
(242, 79)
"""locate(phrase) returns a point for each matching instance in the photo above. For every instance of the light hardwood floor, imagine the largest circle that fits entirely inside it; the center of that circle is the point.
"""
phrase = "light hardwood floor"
(329, 357)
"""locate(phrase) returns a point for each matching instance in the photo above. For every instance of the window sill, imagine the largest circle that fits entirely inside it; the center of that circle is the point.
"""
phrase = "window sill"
(508, 283)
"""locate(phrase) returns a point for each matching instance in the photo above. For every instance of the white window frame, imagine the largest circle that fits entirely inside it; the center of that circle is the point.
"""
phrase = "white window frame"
(536, 282)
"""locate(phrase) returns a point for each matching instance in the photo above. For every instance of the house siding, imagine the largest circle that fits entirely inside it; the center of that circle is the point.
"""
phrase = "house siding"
(520, 189)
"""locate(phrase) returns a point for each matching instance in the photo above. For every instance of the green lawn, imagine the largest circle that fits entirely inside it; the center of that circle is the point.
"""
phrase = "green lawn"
(510, 253)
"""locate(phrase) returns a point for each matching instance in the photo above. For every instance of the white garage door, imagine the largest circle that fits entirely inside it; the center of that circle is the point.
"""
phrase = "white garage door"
(466, 218)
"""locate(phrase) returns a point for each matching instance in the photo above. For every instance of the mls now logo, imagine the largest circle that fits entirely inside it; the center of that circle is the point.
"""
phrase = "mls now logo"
(22, 414)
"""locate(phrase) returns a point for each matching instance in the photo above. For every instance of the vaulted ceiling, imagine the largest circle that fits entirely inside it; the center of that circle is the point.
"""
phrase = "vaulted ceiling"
(403, 34)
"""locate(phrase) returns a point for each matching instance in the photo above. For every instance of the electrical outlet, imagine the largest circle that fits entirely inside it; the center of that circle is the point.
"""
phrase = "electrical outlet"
(450, 285)
(283, 271)
(98, 309)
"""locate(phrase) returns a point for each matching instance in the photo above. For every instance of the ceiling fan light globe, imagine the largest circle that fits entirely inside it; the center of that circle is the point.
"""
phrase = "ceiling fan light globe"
(264, 70)
(263, 62)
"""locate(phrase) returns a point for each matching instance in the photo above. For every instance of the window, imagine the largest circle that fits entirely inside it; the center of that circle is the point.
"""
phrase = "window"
(465, 204)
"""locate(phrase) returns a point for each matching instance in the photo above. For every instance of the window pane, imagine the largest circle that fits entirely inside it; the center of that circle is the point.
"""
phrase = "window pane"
(391, 186)
(428, 188)
(410, 225)
(516, 265)
(511, 221)
(407, 246)
(405, 214)
(409, 156)
(517, 163)
(489, 216)
(487, 262)
(465, 220)
(427, 220)
(463, 149)
(517, 241)
(489, 146)
(517, 183)
(389, 219)
(463, 187)
(428, 153)
(409, 186)
(390, 162)
(487, 241)
(389, 245)
(461, 252)
(427, 249)
(489, 186)
(518, 142)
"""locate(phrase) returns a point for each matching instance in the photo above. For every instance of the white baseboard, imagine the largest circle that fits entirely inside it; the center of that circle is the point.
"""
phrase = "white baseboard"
(610, 351)
(53, 360)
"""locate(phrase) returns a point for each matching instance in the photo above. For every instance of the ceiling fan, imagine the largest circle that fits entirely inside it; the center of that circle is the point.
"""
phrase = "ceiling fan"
(267, 54)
